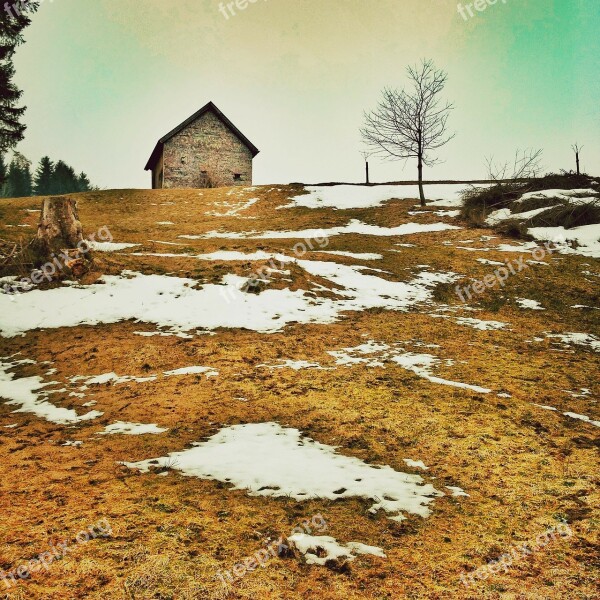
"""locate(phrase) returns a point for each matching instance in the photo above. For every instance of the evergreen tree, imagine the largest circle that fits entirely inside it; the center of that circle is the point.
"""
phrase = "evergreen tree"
(64, 180)
(2, 174)
(18, 180)
(83, 183)
(12, 24)
(43, 177)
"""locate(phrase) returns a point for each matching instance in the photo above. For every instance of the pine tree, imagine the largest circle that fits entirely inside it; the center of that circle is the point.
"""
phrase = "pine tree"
(43, 177)
(2, 175)
(12, 24)
(83, 183)
(18, 180)
(64, 180)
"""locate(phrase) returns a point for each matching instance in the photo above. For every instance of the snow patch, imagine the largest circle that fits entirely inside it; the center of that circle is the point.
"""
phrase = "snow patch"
(354, 226)
(121, 427)
(268, 460)
(321, 549)
(26, 393)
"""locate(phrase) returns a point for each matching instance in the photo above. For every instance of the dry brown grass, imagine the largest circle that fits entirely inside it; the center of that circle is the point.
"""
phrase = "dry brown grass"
(523, 467)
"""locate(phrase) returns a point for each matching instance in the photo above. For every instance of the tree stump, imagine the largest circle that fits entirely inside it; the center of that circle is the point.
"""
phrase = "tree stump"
(59, 237)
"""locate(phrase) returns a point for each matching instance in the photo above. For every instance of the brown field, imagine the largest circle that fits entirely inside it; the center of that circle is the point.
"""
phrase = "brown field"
(523, 467)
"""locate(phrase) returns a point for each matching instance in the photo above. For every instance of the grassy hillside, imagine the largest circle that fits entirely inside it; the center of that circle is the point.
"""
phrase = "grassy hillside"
(483, 392)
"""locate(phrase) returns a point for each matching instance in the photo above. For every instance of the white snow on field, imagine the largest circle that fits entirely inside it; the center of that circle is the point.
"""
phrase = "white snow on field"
(451, 214)
(232, 255)
(474, 323)
(456, 491)
(121, 427)
(530, 304)
(480, 324)
(376, 354)
(586, 239)
(112, 378)
(572, 196)
(320, 549)
(572, 415)
(354, 226)
(27, 393)
(269, 460)
(174, 302)
(587, 340)
(485, 261)
(417, 464)
(108, 246)
(296, 365)
(165, 223)
(194, 370)
(582, 418)
(421, 365)
(117, 379)
(356, 255)
(231, 209)
(504, 214)
(361, 196)
(526, 247)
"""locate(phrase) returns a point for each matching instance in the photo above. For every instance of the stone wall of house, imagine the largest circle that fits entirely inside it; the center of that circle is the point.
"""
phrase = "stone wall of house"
(206, 154)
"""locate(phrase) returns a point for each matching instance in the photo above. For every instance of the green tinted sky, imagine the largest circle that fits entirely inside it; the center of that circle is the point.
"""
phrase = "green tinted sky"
(103, 79)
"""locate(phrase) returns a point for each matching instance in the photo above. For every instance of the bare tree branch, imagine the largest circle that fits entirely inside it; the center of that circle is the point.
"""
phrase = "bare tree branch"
(411, 123)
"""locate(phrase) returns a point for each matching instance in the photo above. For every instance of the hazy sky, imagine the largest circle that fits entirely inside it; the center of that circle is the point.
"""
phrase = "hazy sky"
(104, 79)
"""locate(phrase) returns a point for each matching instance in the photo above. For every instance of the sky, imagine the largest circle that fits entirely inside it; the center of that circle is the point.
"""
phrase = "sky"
(104, 79)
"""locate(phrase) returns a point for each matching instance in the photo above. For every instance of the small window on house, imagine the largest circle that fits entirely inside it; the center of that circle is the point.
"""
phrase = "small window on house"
(237, 176)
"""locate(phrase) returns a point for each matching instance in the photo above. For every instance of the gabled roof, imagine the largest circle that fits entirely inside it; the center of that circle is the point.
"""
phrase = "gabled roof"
(206, 108)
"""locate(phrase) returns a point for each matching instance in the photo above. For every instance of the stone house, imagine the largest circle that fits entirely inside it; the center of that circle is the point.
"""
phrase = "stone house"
(206, 150)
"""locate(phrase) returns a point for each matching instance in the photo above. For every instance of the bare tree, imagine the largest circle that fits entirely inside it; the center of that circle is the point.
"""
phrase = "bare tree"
(577, 149)
(411, 123)
(525, 165)
(366, 155)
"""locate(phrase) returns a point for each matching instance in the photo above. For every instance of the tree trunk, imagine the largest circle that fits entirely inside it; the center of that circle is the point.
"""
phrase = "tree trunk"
(421, 192)
(59, 237)
(367, 169)
(577, 159)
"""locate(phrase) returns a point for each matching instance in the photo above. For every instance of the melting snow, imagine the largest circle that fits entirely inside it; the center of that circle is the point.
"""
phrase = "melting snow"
(108, 246)
(357, 255)
(360, 196)
(417, 464)
(572, 196)
(320, 549)
(174, 302)
(112, 378)
(504, 214)
(572, 415)
(586, 340)
(531, 304)
(586, 239)
(124, 428)
(234, 208)
(269, 460)
(26, 392)
(297, 365)
(420, 364)
(195, 370)
(582, 418)
(354, 226)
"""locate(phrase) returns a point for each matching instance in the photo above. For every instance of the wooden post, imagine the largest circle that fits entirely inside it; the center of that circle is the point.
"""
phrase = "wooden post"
(577, 149)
